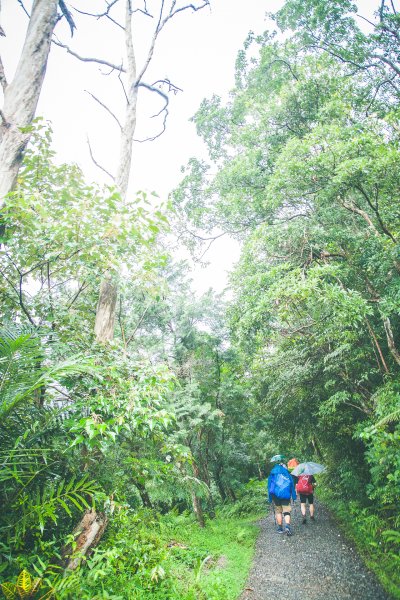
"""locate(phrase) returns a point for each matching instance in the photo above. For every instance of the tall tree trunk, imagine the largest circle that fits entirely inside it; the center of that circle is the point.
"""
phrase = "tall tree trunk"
(390, 340)
(144, 496)
(22, 94)
(218, 481)
(198, 510)
(105, 314)
(106, 307)
(196, 501)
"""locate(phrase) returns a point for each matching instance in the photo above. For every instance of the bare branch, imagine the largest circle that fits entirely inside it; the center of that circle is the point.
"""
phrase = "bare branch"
(105, 108)
(128, 341)
(99, 61)
(123, 88)
(78, 293)
(23, 8)
(96, 163)
(161, 24)
(171, 86)
(116, 23)
(144, 12)
(67, 15)
(164, 109)
(98, 15)
(192, 6)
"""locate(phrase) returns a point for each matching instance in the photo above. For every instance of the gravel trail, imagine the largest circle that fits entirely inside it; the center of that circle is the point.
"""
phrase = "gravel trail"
(316, 563)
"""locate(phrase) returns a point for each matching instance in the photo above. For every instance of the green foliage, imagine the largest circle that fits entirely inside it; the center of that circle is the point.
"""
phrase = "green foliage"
(379, 546)
(306, 156)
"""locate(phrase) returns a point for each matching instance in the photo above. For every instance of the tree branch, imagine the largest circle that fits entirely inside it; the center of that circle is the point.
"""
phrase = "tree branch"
(98, 15)
(96, 163)
(23, 8)
(99, 61)
(67, 15)
(376, 211)
(164, 109)
(78, 293)
(105, 108)
(362, 213)
(21, 301)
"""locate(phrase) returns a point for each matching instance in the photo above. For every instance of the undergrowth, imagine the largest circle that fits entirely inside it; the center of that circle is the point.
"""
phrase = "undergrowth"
(376, 536)
(163, 557)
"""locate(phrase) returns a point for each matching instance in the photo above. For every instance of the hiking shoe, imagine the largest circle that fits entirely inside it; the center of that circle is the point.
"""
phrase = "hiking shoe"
(280, 529)
(312, 518)
(288, 531)
(304, 521)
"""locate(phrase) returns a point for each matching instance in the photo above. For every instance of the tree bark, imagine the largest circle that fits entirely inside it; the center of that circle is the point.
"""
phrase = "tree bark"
(105, 314)
(198, 510)
(87, 535)
(22, 94)
(196, 501)
(390, 340)
(144, 496)
(106, 307)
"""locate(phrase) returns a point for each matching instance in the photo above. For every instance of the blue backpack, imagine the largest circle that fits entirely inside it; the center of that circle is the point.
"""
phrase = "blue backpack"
(281, 485)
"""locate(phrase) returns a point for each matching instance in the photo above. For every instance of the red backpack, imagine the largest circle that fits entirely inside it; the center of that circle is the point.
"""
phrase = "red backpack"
(304, 485)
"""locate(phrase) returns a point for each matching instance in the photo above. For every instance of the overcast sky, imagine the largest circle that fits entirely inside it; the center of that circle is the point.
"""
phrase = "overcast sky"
(196, 51)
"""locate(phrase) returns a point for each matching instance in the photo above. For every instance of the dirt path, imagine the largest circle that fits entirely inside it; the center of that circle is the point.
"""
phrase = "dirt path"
(316, 563)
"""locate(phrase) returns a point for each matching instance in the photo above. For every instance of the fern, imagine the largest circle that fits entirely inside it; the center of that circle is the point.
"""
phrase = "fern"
(393, 417)
(22, 368)
(45, 506)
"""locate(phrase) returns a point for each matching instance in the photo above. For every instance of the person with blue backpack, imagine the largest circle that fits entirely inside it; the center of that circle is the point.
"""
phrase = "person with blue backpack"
(281, 490)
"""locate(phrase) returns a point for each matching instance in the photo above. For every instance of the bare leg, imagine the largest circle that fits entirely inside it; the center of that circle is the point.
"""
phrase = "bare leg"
(279, 518)
(303, 509)
(311, 507)
(287, 519)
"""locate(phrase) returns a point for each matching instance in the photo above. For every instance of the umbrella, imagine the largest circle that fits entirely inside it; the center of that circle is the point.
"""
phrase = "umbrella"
(308, 468)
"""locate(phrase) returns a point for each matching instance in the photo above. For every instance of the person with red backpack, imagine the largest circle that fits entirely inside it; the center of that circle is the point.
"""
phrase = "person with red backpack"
(305, 488)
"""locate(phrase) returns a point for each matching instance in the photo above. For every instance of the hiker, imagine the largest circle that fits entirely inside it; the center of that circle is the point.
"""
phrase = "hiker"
(305, 488)
(280, 490)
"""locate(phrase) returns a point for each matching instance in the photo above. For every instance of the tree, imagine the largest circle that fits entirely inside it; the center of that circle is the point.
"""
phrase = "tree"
(132, 78)
(21, 95)
(307, 163)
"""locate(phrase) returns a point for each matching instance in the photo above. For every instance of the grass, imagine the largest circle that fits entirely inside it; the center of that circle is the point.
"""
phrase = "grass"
(211, 563)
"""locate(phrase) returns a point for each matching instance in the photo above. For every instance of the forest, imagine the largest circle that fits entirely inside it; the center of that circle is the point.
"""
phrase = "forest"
(138, 417)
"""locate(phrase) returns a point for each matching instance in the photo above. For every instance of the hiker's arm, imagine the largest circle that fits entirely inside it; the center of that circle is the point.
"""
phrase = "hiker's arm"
(269, 493)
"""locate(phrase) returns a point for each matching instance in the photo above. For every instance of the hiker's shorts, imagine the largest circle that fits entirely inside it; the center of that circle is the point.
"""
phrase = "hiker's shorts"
(306, 497)
(280, 507)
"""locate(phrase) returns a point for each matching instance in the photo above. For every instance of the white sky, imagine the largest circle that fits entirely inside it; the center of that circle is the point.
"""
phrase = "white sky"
(196, 51)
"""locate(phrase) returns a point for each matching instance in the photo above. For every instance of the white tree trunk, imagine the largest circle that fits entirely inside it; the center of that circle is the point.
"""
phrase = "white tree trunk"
(106, 307)
(105, 313)
(22, 94)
